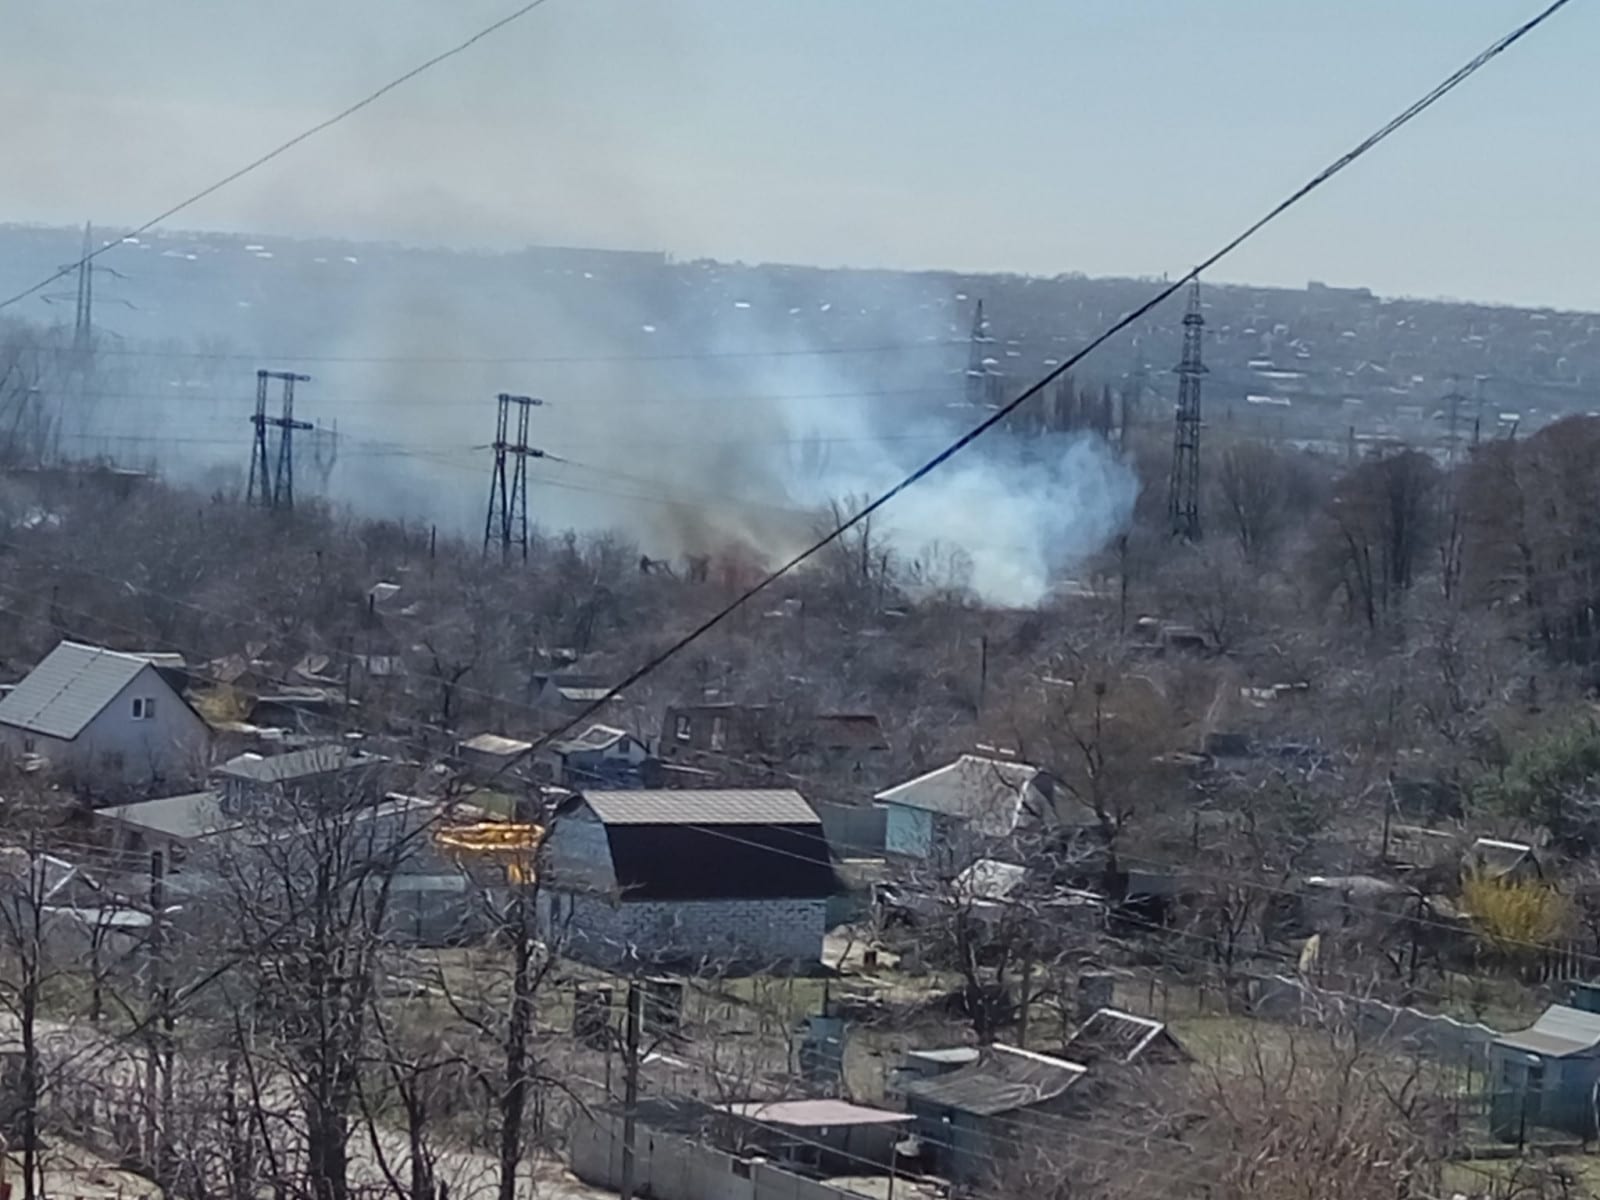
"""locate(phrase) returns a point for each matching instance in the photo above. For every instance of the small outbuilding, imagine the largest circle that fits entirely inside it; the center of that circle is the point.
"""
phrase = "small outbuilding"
(1546, 1076)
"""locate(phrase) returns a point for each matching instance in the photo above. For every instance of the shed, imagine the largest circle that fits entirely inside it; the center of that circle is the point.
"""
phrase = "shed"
(956, 810)
(824, 1134)
(1113, 1036)
(976, 1114)
(1546, 1075)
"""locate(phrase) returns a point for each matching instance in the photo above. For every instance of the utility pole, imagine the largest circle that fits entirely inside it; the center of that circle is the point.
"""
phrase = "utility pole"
(977, 391)
(630, 1086)
(1132, 396)
(161, 1048)
(1183, 493)
(507, 514)
(275, 488)
(1453, 400)
(83, 321)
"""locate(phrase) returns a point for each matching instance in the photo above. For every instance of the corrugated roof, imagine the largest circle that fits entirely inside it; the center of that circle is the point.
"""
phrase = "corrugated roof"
(298, 764)
(813, 1114)
(1558, 1032)
(68, 689)
(1003, 1080)
(494, 743)
(702, 806)
(192, 815)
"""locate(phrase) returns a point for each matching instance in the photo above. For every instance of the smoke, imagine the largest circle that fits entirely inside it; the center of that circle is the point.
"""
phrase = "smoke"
(694, 407)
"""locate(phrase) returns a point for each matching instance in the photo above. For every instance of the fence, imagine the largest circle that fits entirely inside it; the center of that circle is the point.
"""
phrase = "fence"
(667, 1167)
(1282, 998)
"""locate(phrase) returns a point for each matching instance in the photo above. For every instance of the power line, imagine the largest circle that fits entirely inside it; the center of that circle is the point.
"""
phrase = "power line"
(521, 360)
(264, 159)
(1412, 111)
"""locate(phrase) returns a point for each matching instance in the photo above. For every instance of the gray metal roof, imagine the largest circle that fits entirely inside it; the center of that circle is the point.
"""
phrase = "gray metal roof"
(1003, 1080)
(702, 806)
(298, 764)
(68, 689)
(1558, 1032)
(192, 815)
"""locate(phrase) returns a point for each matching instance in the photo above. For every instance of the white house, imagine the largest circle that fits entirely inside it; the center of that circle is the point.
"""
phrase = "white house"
(956, 812)
(709, 876)
(108, 716)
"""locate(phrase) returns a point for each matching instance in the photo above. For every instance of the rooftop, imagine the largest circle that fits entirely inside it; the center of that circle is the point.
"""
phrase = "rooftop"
(813, 1114)
(702, 806)
(596, 737)
(1004, 1079)
(494, 743)
(710, 845)
(1114, 1035)
(69, 688)
(988, 792)
(298, 764)
(192, 815)
(1558, 1032)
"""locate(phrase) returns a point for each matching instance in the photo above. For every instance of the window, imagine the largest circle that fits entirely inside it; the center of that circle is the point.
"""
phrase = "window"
(680, 729)
(144, 708)
(719, 733)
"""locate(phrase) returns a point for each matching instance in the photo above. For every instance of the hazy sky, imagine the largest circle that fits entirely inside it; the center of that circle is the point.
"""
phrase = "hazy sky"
(1103, 136)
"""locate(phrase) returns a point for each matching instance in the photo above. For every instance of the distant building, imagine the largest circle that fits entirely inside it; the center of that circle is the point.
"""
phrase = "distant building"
(567, 691)
(491, 755)
(708, 876)
(951, 815)
(821, 1135)
(1547, 1076)
(319, 774)
(979, 1113)
(601, 756)
(110, 718)
(723, 729)
(171, 825)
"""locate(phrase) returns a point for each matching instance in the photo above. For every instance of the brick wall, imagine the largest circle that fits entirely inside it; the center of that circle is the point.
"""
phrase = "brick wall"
(750, 932)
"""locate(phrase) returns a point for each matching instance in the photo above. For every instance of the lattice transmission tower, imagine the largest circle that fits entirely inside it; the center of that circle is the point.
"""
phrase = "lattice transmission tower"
(1183, 492)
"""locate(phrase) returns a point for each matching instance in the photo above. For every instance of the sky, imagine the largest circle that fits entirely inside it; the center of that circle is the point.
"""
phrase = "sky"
(1109, 137)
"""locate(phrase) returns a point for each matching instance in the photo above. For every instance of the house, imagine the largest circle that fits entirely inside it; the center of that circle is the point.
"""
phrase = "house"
(600, 756)
(1112, 1036)
(566, 692)
(979, 1113)
(734, 877)
(842, 743)
(170, 825)
(722, 730)
(1546, 1076)
(491, 755)
(326, 772)
(952, 814)
(823, 1135)
(110, 718)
